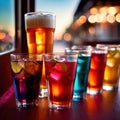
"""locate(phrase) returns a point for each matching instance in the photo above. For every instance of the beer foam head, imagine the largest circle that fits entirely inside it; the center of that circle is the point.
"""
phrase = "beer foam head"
(39, 19)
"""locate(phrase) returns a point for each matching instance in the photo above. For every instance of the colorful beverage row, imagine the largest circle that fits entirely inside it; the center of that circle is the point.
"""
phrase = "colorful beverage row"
(69, 75)
(96, 71)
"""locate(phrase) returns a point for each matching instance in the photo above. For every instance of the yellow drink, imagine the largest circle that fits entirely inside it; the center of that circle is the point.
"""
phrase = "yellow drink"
(111, 75)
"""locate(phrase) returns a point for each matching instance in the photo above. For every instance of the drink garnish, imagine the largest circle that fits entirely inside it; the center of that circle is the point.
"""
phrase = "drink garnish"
(16, 67)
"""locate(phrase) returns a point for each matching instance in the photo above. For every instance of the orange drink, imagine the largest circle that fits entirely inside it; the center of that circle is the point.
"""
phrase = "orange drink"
(40, 27)
(111, 76)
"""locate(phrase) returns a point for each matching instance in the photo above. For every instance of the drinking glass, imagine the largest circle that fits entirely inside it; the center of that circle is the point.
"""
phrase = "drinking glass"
(112, 69)
(60, 75)
(40, 27)
(96, 72)
(83, 65)
(26, 72)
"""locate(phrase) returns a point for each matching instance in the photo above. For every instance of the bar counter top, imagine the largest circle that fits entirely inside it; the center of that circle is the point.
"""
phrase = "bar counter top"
(105, 106)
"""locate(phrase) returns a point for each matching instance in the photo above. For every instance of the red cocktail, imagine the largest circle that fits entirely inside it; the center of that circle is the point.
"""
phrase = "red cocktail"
(60, 75)
(96, 72)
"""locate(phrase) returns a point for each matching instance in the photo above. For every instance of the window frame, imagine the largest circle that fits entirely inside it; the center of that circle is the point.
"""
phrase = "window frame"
(22, 7)
(20, 39)
(15, 29)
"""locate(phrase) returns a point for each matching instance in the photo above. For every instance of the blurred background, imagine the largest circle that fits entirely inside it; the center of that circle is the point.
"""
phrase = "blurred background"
(78, 22)
(64, 10)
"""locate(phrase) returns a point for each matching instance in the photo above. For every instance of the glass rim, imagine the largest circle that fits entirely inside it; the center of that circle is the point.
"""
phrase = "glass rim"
(80, 52)
(78, 49)
(26, 54)
(59, 53)
(82, 47)
(41, 13)
(99, 50)
(108, 45)
(25, 57)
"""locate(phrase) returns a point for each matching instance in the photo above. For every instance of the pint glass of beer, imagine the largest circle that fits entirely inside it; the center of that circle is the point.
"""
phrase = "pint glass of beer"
(40, 27)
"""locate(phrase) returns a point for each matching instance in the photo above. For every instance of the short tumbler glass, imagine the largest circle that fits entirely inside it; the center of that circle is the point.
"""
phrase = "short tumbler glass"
(60, 74)
(26, 72)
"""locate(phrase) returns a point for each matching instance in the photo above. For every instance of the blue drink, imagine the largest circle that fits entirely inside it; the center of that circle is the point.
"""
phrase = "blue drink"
(83, 65)
(80, 85)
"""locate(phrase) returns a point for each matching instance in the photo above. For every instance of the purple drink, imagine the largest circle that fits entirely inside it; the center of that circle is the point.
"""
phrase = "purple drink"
(26, 75)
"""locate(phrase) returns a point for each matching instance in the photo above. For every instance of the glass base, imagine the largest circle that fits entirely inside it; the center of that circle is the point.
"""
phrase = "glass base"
(94, 92)
(78, 97)
(43, 93)
(59, 107)
(25, 104)
(110, 88)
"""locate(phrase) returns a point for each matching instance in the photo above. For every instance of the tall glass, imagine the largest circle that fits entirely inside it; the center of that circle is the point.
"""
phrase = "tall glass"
(83, 65)
(96, 72)
(26, 74)
(40, 27)
(60, 75)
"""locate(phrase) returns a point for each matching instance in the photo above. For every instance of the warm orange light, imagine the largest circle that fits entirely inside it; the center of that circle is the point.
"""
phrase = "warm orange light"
(56, 91)
(91, 30)
(40, 37)
(83, 19)
(112, 10)
(67, 36)
(2, 35)
(78, 22)
(111, 18)
(117, 8)
(43, 79)
(91, 19)
(98, 18)
(118, 17)
(103, 10)
(93, 11)
(103, 14)
(40, 48)
(32, 48)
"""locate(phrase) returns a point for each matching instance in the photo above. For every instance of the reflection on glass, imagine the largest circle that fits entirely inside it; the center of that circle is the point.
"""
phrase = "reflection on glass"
(7, 26)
